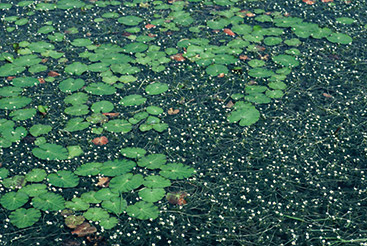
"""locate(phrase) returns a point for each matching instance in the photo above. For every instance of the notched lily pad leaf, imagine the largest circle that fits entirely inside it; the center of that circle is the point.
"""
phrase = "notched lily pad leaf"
(143, 210)
(23, 218)
(63, 178)
(49, 151)
(176, 171)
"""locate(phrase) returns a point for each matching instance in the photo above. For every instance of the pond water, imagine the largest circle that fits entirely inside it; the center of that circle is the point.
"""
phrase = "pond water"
(194, 122)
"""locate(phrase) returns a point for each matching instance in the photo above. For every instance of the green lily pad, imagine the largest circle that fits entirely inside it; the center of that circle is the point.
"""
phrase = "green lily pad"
(340, 38)
(152, 194)
(63, 178)
(10, 69)
(92, 168)
(3, 173)
(49, 151)
(154, 110)
(89, 197)
(23, 114)
(14, 102)
(77, 204)
(76, 68)
(260, 73)
(274, 93)
(176, 171)
(245, 113)
(345, 20)
(152, 161)
(34, 190)
(23, 218)
(13, 200)
(133, 100)
(81, 42)
(10, 91)
(108, 223)
(156, 181)
(102, 106)
(76, 124)
(70, 85)
(156, 88)
(133, 152)
(259, 98)
(76, 98)
(256, 63)
(130, 20)
(36, 175)
(286, 60)
(39, 129)
(216, 69)
(126, 182)
(122, 126)
(14, 182)
(100, 89)
(96, 214)
(49, 202)
(116, 205)
(135, 47)
(143, 210)
(116, 167)
(77, 110)
(24, 82)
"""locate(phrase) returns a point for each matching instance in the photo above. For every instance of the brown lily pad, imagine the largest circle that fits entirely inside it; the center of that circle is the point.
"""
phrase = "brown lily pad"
(84, 229)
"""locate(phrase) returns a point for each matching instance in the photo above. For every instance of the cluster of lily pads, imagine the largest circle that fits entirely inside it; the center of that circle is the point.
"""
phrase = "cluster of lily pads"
(33, 190)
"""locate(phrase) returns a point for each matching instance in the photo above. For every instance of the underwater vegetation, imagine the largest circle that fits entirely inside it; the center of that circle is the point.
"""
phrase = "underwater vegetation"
(180, 123)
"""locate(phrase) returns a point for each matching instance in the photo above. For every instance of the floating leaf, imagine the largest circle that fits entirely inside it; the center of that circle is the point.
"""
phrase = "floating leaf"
(216, 69)
(122, 126)
(76, 68)
(81, 42)
(63, 178)
(14, 102)
(176, 171)
(116, 167)
(3, 173)
(100, 89)
(258, 98)
(156, 181)
(33, 190)
(76, 124)
(156, 88)
(39, 129)
(49, 202)
(77, 110)
(152, 161)
(133, 152)
(109, 223)
(36, 175)
(76, 98)
(96, 214)
(133, 100)
(13, 200)
(24, 82)
(100, 140)
(256, 63)
(23, 218)
(274, 93)
(49, 151)
(84, 229)
(74, 151)
(70, 85)
(23, 114)
(154, 110)
(89, 197)
(116, 205)
(92, 168)
(126, 182)
(286, 60)
(260, 73)
(102, 106)
(143, 210)
(130, 20)
(340, 38)
(14, 182)
(77, 204)
(245, 113)
(152, 194)
(105, 194)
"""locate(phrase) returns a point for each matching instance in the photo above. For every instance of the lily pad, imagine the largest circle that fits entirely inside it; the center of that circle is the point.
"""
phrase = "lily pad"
(24, 82)
(49, 151)
(156, 181)
(36, 175)
(108, 223)
(34, 190)
(14, 102)
(176, 171)
(152, 161)
(100, 89)
(260, 73)
(23, 218)
(130, 20)
(156, 88)
(39, 129)
(96, 214)
(216, 69)
(63, 178)
(49, 202)
(116, 167)
(13, 200)
(126, 182)
(77, 204)
(116, 205)
(76, 68)
(70, 85)
(133, 100)
(340, 38)
(122, 126)
(245, 113)
(92, 168)
(152, 194)
(286, 60)
(143, 210)
(133, 152)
